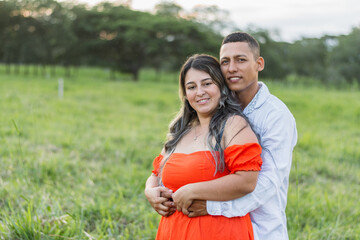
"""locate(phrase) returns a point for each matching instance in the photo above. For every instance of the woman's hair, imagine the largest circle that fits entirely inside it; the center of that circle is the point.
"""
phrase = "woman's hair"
(187, 116)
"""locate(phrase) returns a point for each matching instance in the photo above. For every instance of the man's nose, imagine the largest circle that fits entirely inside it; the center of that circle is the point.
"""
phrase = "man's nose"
(232, 66)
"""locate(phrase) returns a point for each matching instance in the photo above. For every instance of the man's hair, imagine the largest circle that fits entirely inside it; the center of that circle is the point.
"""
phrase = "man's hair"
(244, 37)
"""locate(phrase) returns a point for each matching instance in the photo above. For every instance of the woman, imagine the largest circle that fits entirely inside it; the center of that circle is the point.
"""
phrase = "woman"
(211, 154)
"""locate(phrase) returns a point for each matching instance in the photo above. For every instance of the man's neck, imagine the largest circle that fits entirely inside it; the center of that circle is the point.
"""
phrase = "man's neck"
(247, 95)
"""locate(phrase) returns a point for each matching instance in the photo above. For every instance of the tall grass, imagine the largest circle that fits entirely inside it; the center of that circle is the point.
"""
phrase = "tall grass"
(75, 168)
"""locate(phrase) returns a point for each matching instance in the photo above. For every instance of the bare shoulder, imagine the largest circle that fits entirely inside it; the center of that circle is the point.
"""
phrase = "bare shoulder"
(238, 131)
(236, 122)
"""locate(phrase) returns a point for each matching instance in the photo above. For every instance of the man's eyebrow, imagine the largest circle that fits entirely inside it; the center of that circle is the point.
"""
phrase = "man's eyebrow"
(241, 55)
(236, 56)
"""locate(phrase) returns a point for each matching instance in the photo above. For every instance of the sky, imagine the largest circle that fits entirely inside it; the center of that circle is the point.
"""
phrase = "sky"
(292, 19)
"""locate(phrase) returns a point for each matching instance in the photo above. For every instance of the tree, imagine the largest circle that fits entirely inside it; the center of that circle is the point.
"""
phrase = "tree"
(168, 9)
(344, 59)
(7, 33)
(126, 38)
(308, 57)
(211, 16)
(274, 53)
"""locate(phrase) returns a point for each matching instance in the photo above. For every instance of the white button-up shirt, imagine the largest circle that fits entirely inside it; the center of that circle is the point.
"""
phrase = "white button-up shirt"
(275, 125)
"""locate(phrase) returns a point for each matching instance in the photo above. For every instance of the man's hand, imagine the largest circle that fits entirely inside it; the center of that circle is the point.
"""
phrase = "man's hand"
(160, 199)
(197, 208)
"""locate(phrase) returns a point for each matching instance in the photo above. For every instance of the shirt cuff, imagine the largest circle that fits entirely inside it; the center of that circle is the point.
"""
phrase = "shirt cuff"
(224, 208)
(213, 208)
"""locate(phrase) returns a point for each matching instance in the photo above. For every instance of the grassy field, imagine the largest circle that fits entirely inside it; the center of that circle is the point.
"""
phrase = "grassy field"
(75, 168)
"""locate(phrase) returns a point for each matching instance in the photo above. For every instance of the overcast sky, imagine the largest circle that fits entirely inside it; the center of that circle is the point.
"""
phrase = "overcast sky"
(292, 18)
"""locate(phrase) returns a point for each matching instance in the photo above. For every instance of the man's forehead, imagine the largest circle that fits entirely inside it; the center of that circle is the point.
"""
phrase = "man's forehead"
(229, 50)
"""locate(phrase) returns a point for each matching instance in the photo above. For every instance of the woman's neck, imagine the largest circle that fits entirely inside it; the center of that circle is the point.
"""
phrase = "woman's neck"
(204, 122)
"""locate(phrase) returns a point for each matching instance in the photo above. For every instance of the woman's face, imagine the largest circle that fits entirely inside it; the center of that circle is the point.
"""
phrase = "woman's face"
(201, 92)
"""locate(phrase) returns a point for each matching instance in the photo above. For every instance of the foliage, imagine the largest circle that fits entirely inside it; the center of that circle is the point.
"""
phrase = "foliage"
(345, 59)
(274, 54)
(111, 35)
(168, 9)
(114, 36)
(75, 168)
(308, 57)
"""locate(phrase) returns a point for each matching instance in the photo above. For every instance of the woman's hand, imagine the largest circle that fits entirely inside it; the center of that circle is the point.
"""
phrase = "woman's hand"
(160, 199)
(183, 198)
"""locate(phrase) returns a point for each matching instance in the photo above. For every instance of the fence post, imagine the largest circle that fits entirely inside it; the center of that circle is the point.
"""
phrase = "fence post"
(60, 88)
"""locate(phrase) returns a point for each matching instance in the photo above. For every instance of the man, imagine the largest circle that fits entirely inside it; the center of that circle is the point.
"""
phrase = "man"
(270, 118)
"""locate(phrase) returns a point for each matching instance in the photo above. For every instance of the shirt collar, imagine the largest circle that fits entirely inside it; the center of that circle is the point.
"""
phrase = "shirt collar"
(260, 97)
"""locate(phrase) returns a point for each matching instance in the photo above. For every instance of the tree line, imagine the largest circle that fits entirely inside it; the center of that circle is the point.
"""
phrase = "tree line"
(45, 33)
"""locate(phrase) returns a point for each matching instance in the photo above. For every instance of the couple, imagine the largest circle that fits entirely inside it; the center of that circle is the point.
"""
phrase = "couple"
(209, 169)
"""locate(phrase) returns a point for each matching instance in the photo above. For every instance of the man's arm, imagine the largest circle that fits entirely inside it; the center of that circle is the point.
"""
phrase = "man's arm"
(159, 197)
(238, 207)
(266, 187)
(277, 140)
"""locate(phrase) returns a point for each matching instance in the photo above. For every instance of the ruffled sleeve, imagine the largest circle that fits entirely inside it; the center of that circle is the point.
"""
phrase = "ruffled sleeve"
(156, 164)
(243, 157)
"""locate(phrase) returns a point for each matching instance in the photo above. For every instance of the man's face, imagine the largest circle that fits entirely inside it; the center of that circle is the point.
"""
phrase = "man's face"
(239, 67)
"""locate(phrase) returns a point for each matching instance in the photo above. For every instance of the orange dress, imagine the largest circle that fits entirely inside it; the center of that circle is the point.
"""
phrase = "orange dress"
(181, 169)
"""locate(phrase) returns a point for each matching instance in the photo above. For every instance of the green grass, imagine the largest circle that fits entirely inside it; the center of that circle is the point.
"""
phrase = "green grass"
(75, 168)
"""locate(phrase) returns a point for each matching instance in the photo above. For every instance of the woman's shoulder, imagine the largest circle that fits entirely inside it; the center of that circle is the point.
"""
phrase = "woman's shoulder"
(238, 131)
(236, 122)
